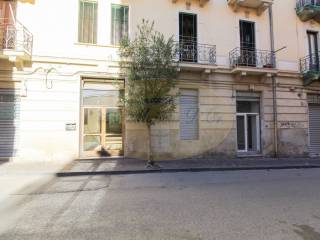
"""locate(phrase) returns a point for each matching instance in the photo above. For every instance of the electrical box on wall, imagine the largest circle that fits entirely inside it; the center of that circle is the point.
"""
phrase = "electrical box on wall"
(71, 126)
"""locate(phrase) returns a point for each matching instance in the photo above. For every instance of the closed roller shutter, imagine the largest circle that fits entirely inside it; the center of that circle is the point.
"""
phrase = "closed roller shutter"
(314, 129)
(9, 119)
(189, 115)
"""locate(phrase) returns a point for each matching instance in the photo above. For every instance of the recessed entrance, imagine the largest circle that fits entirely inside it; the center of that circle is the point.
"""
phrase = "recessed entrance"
(102, 119)
(248, 124)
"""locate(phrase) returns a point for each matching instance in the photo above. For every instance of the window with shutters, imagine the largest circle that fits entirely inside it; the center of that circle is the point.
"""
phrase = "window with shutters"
(88, 17)
(119, 23)
(189, 114)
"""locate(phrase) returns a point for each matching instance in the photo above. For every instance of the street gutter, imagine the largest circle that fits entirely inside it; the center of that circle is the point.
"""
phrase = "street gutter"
(177, 170)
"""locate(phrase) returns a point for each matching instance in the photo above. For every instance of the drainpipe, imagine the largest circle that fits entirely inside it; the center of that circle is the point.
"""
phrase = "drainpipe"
(274, 86)
(12, 14)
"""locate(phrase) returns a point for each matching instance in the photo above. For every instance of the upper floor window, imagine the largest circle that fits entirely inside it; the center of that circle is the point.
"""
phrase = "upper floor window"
(119, 23)
(88, 15)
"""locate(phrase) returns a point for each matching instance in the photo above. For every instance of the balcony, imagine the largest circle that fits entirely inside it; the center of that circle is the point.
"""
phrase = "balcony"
(191, 52)
(15, 42)
(188, 2)
(252, 61)
(259, 5)
(308, 9)
(310, 68)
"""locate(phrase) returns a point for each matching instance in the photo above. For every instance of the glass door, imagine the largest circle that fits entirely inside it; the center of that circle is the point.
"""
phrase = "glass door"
(92, 130)
(248, 132)
(241, 133)
(102, 132)
(102, 120)
(253, 132)
(113, 131)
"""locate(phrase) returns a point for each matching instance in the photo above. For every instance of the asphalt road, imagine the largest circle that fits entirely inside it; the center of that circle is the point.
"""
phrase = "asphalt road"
(246, 205)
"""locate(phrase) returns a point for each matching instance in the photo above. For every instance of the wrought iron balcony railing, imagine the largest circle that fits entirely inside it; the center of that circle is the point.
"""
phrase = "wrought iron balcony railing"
(252, 58)
(15, 37)
(192, 52)
(310, 68)
(305, 3)
(310, 63)
(308, 9)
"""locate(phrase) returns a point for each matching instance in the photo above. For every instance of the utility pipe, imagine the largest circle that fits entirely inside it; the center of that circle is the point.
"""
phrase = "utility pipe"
(274, 86)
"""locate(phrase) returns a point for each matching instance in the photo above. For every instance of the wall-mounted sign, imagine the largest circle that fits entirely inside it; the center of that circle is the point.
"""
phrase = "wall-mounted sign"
(290, 125)
(71, 126)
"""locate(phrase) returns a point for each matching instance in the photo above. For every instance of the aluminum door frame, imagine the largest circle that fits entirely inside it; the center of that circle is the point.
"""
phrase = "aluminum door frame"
(245, 115)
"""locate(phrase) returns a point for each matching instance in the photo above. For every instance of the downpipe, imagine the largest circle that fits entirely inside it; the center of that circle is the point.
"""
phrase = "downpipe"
(274, 87)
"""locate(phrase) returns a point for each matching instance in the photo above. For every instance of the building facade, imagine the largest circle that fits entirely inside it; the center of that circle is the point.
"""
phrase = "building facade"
(248, 79)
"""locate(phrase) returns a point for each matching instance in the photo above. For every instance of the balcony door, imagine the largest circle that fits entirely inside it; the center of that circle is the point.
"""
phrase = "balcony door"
(313, 50)
(188, 37)
(7, 11)
(247, 44)
(7, 17)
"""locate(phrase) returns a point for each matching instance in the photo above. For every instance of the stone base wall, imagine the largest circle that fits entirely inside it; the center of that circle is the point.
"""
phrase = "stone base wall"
(217, 119)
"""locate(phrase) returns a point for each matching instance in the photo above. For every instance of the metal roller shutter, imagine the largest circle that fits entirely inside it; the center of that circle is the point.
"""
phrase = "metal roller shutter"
(314, 129)
(189, 115)
(9, 119)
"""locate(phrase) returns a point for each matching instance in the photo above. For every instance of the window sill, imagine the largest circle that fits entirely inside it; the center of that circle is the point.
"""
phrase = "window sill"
(96, 45)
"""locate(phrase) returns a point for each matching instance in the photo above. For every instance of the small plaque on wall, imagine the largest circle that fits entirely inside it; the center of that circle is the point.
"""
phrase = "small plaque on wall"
(71, 126)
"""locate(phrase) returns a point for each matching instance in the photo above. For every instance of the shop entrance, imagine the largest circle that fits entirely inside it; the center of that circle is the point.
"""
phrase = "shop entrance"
(102, 119)
(248, 125)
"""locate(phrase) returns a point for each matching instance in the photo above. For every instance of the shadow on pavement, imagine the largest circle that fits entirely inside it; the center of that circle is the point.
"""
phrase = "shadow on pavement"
(3, 162)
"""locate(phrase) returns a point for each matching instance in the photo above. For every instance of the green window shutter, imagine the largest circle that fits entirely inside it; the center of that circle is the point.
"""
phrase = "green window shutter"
(119, 23)
(88, 17)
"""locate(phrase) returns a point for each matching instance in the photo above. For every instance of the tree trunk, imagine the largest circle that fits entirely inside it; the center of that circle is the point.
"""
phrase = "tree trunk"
(150, 157)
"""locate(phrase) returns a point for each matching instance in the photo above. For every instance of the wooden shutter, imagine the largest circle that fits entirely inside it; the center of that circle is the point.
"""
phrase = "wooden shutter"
(189, 115)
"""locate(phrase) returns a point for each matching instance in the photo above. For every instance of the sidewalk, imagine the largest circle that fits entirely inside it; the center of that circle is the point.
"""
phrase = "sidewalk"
(17, 181)
(17, 177)
(115, 166)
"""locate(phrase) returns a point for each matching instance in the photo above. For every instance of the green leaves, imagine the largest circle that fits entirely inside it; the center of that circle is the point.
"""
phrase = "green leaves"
(148, 62)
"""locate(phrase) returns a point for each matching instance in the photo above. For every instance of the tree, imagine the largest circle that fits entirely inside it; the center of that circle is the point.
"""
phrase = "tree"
(151, 71)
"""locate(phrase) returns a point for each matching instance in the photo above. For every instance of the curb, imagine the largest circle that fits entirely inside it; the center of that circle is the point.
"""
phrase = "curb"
(177, 170)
